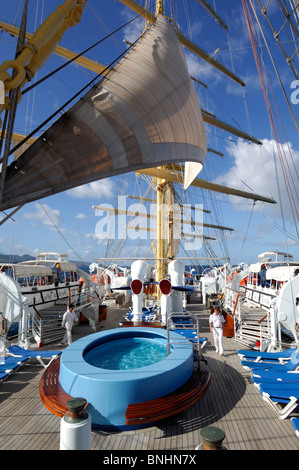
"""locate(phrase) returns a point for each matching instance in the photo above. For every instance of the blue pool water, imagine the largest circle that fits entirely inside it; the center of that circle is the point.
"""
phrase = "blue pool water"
(127, 353)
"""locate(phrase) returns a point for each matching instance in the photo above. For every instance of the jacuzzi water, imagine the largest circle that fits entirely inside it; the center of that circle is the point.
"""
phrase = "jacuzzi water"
(128, 353)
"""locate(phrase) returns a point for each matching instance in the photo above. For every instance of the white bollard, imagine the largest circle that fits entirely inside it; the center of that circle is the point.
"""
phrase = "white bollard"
(138, 272)
(75, 426)
(176, 270)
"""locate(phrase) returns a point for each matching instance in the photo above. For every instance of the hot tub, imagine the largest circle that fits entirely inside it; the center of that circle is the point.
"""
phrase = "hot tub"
(110, 390)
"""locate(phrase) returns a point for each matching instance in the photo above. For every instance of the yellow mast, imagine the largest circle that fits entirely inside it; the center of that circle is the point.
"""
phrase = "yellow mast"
(160, 263)
(161, 252)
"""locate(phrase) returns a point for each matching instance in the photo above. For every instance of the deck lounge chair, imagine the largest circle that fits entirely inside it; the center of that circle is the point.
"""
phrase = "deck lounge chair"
(145, 317)
(10, 364)
(17, 351)
(274, 377)
(292, 364)
(282, 397)
(257, 356)
(295, 423)
(191, 336)
(182, 319)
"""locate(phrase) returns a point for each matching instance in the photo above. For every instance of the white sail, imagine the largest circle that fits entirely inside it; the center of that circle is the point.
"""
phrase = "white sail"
(191, 171)
(145, 113)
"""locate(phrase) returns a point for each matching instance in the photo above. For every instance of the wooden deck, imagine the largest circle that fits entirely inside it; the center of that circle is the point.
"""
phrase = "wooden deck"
(231, 403)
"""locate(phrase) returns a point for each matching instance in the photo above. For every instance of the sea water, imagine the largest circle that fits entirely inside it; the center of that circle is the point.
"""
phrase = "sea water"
(127, 353)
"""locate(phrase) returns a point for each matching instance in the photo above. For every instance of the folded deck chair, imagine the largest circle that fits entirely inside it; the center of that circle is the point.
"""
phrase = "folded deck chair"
(10, 364)
(182, 320)
(145, 316)
(295, 423)
(191, 336)
(275, 377)
(257, 356)
(16, 351)
(292, 364)
(283, 398)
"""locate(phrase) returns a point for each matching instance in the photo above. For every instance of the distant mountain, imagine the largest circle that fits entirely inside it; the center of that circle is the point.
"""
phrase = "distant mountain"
(84, 265)
(15, 258)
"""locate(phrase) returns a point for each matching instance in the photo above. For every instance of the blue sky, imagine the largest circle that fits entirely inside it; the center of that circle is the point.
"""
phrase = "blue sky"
(66, 222)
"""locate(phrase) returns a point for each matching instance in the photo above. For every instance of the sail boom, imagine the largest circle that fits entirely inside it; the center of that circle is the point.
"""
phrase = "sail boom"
(147, 229)
(210, 119)
(185, 42)
(199, 183)
(207, 57)
(83, 61)
(152, 216)
(154, 201)
(213, 13)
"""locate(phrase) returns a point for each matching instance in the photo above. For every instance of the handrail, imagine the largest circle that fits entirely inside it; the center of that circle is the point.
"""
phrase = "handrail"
(236, 302)
(35, 309)
(175, 314)
(262, 319)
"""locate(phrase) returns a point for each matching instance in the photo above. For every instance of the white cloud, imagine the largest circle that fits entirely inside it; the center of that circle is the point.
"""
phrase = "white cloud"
(94, 190)
(260, 170)
(81, 216)
(44, 214)
(134, 30)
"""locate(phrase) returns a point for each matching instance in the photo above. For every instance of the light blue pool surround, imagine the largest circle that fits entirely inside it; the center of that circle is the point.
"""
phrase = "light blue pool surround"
(109, 392)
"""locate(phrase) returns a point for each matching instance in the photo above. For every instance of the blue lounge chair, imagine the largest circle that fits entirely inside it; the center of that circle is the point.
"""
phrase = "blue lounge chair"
(10, 364)
(17, 351)
(284, 394)
(274, 377)
(257, 356)
(291, 365)
(182, 319)
(295, 423)
(191, 336)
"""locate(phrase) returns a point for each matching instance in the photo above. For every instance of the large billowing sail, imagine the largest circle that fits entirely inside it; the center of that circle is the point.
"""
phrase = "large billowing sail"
(144, 113)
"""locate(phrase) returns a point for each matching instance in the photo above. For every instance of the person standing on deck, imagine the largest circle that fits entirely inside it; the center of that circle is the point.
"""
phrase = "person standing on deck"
(67, 322)
(216, 326)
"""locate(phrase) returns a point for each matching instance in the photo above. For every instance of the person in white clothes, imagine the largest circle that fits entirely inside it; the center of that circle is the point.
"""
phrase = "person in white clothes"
(67, 322)
(216, 326)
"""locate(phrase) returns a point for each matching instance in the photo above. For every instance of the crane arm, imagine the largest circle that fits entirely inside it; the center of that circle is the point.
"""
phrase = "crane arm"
(38, 48)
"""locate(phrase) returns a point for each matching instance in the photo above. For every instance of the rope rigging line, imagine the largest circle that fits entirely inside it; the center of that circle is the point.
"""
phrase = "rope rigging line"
(77, 56)
(270, 112)
(295, 169)
(276, 36)
(59, 231)
(246, 233)
(274, 66)
(59, 110)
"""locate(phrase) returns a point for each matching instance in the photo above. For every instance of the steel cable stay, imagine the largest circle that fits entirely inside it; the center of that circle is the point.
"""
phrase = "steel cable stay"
(271, 115)
(46, 77)
(286, 140)
(274, 66)
(246, 233)
(276, 34)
